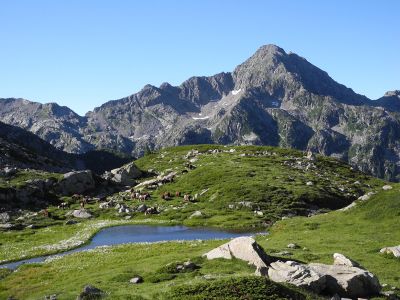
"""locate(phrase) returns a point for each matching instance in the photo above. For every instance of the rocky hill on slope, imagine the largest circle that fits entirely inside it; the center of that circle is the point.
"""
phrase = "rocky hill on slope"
(273, 98)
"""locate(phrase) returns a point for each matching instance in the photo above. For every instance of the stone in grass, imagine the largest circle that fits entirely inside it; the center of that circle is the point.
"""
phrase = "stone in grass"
(81, 213)
(136, 279)
(90, 292)
(387, 187)
(292, 246)
(243, 248)
(196, 214)
(395, 250)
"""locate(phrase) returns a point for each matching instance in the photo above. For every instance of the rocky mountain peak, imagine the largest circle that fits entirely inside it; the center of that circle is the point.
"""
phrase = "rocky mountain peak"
(395, 93)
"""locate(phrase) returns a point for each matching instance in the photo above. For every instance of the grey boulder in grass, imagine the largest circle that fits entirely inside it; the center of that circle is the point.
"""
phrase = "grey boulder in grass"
(244, 248)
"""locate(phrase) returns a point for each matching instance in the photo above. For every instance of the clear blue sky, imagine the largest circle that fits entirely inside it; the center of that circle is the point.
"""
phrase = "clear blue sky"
(81, 53)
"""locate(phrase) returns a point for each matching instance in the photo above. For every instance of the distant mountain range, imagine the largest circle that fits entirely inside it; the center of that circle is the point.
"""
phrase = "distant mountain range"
(273, 98)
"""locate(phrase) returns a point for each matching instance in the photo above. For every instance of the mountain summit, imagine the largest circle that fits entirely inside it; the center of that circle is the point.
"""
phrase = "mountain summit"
(273, 98)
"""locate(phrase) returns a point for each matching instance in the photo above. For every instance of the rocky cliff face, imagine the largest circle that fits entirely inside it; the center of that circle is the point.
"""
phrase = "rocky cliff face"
(273, 98)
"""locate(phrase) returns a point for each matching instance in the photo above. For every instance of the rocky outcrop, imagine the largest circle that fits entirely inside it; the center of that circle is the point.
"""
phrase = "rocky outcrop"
(77, 182)
(244, 248)
(125, 175)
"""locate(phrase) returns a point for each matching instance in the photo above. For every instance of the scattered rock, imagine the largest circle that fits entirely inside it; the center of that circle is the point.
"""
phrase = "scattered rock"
(309, 183)
(6, 226)
(4, 217)
(387, 187)
(284, 253)
(244, 248)
(137, 279)
(196, 214)
(292, 246)
(51, 297)
(90, 292)
(71, 222)
(81, 213)
(395, 250)
(366, 196)
(341, 260)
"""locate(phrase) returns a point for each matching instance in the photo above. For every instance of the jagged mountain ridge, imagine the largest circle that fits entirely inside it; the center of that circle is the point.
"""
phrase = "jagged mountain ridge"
(273, 98)
(23, 149)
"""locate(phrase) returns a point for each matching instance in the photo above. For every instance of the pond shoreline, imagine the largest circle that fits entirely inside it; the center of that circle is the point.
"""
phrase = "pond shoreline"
(125, 233)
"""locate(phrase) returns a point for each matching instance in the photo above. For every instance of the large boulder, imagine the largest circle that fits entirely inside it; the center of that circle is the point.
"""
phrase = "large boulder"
(77, 182)
(344, 278)
(395, 250)
(125, 175)
(348, 281)
(244, 248)
(297, 274)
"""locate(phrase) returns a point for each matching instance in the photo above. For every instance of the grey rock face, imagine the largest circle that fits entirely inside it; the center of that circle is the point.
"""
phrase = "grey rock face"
(125, 175)
(273, 98)
(76, 182)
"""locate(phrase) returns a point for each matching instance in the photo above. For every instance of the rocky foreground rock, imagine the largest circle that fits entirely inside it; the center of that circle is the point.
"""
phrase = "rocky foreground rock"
(345, 277)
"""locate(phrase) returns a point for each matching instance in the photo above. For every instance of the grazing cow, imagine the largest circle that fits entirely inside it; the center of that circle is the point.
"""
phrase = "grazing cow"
(145, 196)
(177, 194)
(186, 198)
(151, 211)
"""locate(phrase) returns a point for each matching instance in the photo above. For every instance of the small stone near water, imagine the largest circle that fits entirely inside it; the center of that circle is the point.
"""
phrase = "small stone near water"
(90, 292)
(136, 280)
(196, 214)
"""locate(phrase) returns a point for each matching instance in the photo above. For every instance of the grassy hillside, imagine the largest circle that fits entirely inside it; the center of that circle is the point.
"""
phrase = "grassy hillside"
(237, 181)
(245, 187)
